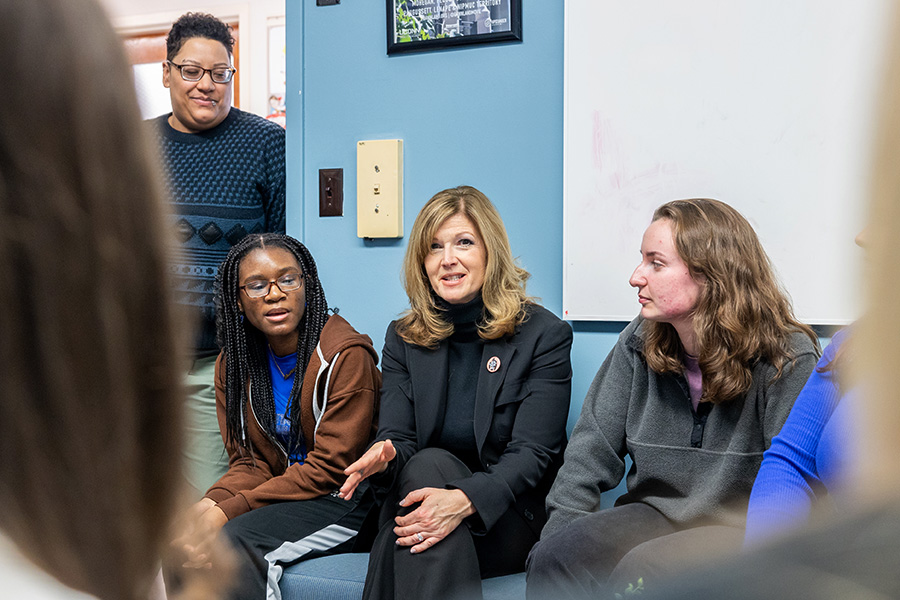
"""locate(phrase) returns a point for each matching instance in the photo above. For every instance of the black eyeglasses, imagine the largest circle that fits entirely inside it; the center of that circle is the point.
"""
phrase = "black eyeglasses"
(195, 73)
(259, 288)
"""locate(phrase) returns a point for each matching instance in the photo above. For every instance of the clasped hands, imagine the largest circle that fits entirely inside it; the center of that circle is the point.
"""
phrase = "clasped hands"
(200, 527)
(440, 511)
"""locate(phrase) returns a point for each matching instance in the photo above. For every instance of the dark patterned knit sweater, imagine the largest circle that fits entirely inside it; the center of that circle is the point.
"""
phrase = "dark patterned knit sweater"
(223, 183)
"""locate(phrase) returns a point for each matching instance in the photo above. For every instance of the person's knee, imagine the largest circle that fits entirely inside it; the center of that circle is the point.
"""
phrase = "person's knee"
(550, 555)
(430, 467)
(665, 556)
(583, 550)
(633, 568)
(429, 458)
(553, 570)
(237, 535)
(536, 557)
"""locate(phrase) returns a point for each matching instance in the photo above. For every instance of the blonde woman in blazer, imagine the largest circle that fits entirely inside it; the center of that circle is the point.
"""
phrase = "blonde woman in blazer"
(477, 381)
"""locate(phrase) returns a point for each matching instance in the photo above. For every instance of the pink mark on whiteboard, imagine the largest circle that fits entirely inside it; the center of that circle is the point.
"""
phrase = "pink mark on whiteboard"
(613, 164)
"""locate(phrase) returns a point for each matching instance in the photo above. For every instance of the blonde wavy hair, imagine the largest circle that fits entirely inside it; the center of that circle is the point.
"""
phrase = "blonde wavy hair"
(876, 353)
(742, 314)
(503, 292)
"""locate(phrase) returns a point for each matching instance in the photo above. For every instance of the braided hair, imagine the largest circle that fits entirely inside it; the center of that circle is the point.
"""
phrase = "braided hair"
(246, 347)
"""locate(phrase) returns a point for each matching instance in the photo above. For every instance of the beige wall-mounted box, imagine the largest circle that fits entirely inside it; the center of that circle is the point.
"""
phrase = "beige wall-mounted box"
(379, 189)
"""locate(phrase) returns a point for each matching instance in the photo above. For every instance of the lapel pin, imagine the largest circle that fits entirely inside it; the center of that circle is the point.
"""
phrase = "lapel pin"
(493, 364)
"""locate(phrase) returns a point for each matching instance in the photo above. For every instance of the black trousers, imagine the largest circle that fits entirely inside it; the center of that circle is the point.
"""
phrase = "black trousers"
(599, 555)
(273, 537)
(452, 568)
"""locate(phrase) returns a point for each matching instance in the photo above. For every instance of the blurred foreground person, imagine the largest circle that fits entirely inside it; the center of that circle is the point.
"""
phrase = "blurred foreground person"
(89, 368)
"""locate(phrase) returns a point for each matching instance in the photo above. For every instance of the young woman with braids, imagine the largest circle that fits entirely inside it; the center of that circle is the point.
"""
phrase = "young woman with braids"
(693, 392)
(297, 396)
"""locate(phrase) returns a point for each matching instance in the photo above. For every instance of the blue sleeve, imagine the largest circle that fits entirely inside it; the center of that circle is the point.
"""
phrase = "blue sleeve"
(789, 478)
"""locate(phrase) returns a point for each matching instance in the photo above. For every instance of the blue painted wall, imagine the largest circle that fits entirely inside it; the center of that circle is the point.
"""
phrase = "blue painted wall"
(488, 116)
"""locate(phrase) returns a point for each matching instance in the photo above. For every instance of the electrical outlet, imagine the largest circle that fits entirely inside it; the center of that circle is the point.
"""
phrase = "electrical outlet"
(331, 192)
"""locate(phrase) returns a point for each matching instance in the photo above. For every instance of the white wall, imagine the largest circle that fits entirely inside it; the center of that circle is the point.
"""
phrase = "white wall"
(254, 19)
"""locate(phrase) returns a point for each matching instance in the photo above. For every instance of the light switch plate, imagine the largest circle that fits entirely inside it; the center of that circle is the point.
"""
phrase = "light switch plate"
(379, 189)
(331, 192)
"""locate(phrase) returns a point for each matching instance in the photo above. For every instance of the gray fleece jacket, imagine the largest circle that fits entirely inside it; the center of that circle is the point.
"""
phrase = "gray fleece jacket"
(693, 469)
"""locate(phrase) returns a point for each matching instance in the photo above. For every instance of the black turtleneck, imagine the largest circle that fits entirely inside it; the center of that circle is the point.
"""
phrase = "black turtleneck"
(464, 363)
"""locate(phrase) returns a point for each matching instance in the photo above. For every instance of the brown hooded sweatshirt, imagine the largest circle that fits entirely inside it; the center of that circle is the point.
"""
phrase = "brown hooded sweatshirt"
(339, 408)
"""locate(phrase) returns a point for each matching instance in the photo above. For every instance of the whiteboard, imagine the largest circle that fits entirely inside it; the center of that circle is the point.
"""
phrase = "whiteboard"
(767, 105)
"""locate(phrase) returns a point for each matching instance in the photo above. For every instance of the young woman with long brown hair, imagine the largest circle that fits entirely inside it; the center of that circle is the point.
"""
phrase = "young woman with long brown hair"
(854, 553)
(693, 393)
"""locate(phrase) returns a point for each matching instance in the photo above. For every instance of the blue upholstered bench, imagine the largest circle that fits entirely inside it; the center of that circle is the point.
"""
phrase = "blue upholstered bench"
(341, 577)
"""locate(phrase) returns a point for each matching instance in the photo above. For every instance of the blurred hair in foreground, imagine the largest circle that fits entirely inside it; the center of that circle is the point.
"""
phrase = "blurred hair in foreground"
(90, 350)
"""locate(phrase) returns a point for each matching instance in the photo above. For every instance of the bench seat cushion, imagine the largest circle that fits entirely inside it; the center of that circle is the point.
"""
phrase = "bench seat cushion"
(341, 577)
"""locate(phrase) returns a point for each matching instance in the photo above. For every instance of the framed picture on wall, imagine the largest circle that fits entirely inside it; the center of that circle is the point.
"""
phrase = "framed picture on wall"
(418, 25)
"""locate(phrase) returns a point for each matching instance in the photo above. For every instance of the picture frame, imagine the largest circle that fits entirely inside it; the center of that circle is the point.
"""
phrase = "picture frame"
(423, 25)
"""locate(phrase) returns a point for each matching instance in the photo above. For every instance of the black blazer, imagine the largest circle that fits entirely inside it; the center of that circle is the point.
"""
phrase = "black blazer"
(521, 410)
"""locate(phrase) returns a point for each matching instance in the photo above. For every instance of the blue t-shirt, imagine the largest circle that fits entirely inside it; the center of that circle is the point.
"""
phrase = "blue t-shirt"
(279, 366)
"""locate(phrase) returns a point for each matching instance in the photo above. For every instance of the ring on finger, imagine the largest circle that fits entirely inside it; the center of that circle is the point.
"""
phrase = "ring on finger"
(420, 537)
